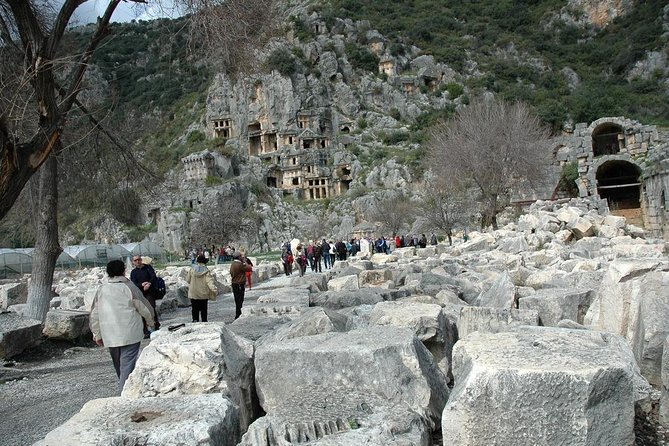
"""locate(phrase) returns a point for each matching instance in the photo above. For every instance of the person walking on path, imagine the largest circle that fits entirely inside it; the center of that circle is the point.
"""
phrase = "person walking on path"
(118, 314)
(144, 277)
(300, 259)
(201, 288)
(238, 276)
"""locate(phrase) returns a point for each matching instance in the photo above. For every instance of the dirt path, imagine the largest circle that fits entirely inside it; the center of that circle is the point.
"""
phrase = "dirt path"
(42, 388)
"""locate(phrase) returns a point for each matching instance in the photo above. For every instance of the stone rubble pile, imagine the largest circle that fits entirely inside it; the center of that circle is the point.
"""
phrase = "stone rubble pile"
(549, 329)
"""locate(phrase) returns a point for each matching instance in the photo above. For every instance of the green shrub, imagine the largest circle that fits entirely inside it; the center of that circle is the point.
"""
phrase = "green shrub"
(454, 89)
(361, 58)
(301, 29)
(282, 61)
(195, 137)
(211, 180)
(568, 178)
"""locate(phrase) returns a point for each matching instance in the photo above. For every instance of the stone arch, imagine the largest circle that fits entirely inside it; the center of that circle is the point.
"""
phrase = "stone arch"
(608, 138)
(618, 181)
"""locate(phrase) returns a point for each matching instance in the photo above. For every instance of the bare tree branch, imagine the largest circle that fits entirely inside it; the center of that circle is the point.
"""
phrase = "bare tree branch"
(492, 145)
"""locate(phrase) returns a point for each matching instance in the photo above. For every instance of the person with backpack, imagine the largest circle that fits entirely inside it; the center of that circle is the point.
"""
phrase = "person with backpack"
(119, 313)
(144, 277)
(201, 288)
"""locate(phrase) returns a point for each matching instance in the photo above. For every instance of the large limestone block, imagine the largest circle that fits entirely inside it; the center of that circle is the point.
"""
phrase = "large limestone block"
(344, 299)
(388, 363)
(493, 320)
(546, 278)
(312, 321)
(317, 282)
(501, 294)
(18, 333)
(567, 215)
(345, 283)
(350, 419)
(207, 420)
(428, 283)
(632, 302)
(374, 277)
(543, 386)
(581, 228)
(636, 250)
(287, 301)
(513, 245)
(200, 358)
(426, 320)
(12, 294)
(429, 251)
(556, 304)
(67, 324)
(404, 253)
(477, 242)
(383, 259)
(615, 221)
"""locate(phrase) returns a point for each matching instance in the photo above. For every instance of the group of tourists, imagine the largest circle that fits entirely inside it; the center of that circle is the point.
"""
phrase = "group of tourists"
(124, 310)
(218, 254)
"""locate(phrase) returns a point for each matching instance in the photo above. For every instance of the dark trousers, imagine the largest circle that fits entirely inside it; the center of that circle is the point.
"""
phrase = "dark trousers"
(124, 359)
(238, 292)
(326, 259)
(199, 307)
(316, 266)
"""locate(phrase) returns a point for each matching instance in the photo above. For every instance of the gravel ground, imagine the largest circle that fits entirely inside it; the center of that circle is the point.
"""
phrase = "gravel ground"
(42, 388)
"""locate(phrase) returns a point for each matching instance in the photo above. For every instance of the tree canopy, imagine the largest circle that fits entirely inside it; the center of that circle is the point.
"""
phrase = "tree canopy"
(489, 147)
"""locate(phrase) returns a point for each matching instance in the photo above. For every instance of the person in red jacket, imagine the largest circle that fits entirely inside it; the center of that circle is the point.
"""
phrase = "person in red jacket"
(398, 241)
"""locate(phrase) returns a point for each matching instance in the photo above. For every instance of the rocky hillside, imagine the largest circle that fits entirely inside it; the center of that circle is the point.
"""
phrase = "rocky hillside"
(384, 71)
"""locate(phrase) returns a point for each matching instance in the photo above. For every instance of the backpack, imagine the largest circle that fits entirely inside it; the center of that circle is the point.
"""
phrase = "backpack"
(159, 288)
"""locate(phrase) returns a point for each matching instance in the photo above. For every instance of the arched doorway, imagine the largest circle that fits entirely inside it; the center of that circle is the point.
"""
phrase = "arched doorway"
(607, 139)
(618, 182)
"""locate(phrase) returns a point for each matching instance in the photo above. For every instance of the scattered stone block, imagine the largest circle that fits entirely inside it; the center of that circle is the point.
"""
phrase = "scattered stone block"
(207, 420)
(493, 320)
(582, 228)
(334, 379)
(12, 294)
(541, 385)
(632, 302)
(345, 283)
(18, 333)
(374, 277)
(200, 358)
(67, 325)
(501, 294)
(337, 300)
(556, 304)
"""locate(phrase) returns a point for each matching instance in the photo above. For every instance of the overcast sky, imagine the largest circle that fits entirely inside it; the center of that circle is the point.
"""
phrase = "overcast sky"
(126, 11)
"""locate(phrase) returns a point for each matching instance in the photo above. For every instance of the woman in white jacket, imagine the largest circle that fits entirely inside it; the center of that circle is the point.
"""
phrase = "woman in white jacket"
(116, 319)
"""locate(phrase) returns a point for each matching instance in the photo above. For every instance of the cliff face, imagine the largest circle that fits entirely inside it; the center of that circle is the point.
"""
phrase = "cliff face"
(337, 109)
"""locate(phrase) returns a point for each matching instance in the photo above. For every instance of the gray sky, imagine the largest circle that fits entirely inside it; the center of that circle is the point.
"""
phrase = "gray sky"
(126, 11)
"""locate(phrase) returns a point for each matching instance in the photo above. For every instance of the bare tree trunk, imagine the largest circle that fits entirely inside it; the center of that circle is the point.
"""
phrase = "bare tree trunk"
(47, 248)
